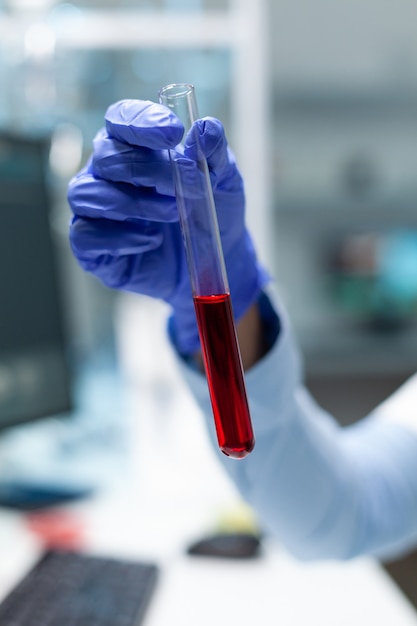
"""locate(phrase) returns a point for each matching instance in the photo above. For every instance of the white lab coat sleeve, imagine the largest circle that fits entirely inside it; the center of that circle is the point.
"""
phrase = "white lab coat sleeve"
(325, 491)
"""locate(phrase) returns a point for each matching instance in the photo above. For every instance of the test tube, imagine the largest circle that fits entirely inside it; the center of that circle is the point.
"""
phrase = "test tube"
(209, 284)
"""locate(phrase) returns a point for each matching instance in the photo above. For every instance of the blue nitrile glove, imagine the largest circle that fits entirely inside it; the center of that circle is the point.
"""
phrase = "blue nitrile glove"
(125, 227)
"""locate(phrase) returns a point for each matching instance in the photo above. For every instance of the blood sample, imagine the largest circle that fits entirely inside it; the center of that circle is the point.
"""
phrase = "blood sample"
(209, 284)
(224, 374)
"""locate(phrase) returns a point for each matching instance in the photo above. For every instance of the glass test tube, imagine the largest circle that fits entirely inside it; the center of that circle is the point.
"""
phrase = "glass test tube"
(209, 284)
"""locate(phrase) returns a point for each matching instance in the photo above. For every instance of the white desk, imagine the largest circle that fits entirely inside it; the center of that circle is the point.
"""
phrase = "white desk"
(195, 590)
(274, 588)
(155, 517)
(171, 493)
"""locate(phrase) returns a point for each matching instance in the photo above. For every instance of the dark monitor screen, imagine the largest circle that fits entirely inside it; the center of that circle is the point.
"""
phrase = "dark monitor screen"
(34, 374)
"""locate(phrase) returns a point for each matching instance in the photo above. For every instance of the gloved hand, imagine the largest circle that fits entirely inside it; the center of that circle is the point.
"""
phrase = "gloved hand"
(125, 228)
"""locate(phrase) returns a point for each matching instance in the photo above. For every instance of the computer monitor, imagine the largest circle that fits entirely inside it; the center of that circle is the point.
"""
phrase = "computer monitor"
(35, 378)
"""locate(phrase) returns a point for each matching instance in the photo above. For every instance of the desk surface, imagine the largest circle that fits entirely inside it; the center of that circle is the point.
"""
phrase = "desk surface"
(275, 587)
(169, 492)
(155, 516)
(197, 590)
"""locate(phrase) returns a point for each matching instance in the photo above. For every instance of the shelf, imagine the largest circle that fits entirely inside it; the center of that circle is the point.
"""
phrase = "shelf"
(381, 207)
(131, 29)
(350, 351)
(386, 99)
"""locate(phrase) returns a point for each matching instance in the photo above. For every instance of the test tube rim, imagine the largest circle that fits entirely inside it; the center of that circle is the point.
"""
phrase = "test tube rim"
(183, 89)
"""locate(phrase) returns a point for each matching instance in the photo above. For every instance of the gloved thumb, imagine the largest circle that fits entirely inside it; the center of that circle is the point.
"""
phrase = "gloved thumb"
(207, 139)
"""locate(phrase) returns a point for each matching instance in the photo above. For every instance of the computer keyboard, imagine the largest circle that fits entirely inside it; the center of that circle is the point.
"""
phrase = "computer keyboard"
(76, 589)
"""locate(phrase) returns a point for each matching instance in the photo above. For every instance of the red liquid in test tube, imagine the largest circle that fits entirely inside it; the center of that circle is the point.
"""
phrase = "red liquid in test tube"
(224, 375)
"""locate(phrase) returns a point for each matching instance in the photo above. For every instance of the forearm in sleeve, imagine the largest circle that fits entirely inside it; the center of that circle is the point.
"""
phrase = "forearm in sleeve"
(322, 490)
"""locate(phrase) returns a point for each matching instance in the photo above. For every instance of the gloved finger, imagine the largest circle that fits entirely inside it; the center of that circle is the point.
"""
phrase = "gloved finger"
(92, 238)
(136, 273)
(97, 198)
(120, 162)
(115, 272)
(153, 271)
(207, 136)
(144, 123)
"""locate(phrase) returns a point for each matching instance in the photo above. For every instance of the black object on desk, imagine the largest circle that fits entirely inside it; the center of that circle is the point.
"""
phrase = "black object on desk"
(66, 588)
(227, 546)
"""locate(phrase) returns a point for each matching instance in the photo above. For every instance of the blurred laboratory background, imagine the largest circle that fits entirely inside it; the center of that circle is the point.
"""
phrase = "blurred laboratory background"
(319, 101)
